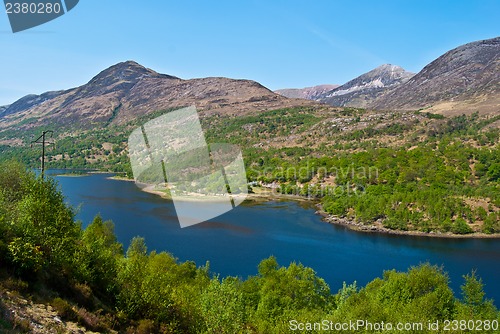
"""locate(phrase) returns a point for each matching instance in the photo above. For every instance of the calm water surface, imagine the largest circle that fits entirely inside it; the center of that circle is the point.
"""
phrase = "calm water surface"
(237, 241)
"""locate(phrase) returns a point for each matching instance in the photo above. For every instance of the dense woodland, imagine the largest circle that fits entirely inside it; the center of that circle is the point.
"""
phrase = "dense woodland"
(87, 276)
(425, 188)
(430, 173)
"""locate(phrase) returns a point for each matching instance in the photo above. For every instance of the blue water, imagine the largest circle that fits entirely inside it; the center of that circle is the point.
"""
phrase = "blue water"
(237, 241)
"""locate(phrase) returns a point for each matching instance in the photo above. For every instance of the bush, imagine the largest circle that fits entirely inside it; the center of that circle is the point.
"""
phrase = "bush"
(90, 320)
(146, 326)
(336, 208)
(83, 295)
(15, 284)
(461, 227)
(64, 309)
(491, 224)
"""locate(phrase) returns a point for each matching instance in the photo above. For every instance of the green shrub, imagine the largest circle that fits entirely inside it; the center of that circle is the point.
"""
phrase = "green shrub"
(15, 284)
(460, 226)
(491, 223)
(64, 309)
(146, 326)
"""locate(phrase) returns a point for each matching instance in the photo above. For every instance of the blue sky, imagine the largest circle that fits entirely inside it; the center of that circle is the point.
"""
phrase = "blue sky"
(278, 43)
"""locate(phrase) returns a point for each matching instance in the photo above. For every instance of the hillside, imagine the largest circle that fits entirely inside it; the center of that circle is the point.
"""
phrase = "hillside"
(464, 79)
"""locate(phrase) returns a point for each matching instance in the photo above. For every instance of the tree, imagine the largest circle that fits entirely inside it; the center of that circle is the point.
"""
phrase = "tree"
(491, 223)
(420, 293)
(286, 291)
(98, 255)
(223, 307)
(494, 172)
(473, 296)
(46, 226)
(461, 227)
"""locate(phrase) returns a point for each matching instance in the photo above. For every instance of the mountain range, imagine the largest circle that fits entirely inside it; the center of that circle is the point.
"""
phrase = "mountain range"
(128, 90)
(463, 80)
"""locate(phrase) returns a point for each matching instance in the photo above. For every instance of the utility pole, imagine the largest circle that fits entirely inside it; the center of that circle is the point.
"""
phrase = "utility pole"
(42, 136)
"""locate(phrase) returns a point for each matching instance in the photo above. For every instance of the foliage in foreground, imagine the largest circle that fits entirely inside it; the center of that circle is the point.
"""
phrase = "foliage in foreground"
(87, 277)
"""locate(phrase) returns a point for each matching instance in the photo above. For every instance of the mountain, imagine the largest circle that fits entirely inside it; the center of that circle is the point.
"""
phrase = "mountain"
(309, 93)
(3, 108)
(361, 91)
(27, 102)
(128, 90)
(463, 79)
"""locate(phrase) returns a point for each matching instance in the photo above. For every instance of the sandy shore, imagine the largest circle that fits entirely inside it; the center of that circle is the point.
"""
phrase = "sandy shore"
(259, 195)
(120, 178)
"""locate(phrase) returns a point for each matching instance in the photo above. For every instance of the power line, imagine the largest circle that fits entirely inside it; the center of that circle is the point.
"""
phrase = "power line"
(42, 136)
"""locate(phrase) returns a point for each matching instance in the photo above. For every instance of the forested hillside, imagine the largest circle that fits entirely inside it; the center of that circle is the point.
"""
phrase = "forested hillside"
(87, 277)
(409, 171)
(405, 171)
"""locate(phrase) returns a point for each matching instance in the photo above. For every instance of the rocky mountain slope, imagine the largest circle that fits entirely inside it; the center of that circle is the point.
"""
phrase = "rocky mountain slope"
(26, 316)
(465, 78)
(361, 91)
(309, 93)
(128, 90)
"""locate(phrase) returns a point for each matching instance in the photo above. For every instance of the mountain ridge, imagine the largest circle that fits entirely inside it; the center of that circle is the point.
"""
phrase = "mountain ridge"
(310, 93)
(462, 80)
(360, 91)
(127, 90)
(467, 73)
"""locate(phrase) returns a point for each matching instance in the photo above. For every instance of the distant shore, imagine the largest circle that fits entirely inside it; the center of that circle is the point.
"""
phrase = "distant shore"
(266, 194)
(72, 175)
(377, 227)
(261, 194)
(120, 178)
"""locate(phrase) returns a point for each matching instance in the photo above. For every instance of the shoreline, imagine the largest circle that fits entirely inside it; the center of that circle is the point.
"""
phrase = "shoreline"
(261, 194)
(378, 228)
(119, 178)
(269, 195)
